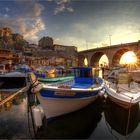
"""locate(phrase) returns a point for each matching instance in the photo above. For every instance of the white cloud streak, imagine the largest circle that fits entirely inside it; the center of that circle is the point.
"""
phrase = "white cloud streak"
(28, 24)
(7, 9)
(62, 5)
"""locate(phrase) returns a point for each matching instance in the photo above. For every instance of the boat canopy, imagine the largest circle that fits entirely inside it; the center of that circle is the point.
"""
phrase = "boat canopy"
(83, 75)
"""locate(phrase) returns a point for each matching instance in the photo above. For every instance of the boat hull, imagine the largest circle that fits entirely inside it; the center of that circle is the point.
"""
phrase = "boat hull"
(121, 103)
(67, 96)
(56, 79)
(54, 107)
(120, 98)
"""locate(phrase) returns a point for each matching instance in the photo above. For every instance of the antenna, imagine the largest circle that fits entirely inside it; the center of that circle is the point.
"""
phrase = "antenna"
(139, 32)
(86, 45)
(110, 39)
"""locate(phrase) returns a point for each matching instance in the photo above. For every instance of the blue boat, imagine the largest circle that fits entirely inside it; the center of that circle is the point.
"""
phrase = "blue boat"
(69, 95)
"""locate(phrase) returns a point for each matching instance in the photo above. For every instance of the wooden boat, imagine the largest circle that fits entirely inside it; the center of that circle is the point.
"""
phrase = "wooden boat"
(70, 95)
(124, 89)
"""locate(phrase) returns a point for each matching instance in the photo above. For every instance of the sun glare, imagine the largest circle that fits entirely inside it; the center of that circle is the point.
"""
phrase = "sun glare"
(128, 58)
(86, 62)
(104, 60)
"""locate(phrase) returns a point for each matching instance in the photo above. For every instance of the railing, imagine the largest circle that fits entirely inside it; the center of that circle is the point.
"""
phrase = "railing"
(117, 87)
(63, 83)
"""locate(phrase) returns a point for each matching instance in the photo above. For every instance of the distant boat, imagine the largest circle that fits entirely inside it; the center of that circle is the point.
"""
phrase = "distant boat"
(69, 95)
(12, 84)
(124, 89)
(51, 70)
(22, 68)
(12, 80)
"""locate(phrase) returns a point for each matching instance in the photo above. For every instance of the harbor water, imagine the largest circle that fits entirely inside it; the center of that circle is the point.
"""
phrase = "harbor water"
(102, 119)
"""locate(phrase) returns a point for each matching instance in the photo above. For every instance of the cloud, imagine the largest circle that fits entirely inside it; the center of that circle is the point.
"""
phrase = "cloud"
(70, 9)
(62, 5)
(7, 9)
(78, 42)
(29, 24)
(5, 15)
(30, 27)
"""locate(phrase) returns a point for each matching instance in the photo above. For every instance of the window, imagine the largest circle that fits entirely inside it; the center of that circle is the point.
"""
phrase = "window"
(87, 73)
(78, 73)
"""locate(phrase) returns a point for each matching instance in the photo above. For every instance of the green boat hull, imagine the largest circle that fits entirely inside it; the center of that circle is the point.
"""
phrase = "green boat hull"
(55, 79)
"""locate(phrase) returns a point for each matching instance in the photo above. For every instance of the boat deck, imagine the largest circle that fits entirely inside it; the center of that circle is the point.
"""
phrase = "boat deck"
(133, 88)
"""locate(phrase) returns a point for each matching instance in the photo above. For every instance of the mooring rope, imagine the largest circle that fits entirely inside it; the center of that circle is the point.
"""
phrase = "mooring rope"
(129, 114)
(29, 111)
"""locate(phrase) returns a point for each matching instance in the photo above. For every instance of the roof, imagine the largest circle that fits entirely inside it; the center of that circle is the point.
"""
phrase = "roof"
(14, 74)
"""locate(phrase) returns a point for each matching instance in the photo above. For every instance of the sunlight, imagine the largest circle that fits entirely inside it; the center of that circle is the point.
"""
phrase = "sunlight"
(104, 60)
(86, 62)
(128, 58)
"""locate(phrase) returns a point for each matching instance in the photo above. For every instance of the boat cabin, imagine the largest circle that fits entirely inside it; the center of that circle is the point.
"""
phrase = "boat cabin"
(83, 77)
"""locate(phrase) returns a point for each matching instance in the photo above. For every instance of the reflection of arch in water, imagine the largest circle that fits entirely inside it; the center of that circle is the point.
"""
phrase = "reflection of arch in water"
(79, 124)
(121, 120)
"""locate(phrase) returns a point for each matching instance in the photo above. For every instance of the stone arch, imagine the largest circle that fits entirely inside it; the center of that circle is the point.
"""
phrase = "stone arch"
(81, 60)
(117, 56)
(137, 53)
(94, 62)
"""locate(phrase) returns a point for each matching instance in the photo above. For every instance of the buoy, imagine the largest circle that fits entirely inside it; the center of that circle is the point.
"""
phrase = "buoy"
(37, 115)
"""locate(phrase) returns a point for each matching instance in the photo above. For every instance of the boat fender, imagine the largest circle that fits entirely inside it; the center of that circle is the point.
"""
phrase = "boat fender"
(37, 88)
(37, 116)
(101, 92)
(41, 111)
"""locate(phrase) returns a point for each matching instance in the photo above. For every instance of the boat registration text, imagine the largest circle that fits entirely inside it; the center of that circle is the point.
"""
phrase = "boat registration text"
(64, 93)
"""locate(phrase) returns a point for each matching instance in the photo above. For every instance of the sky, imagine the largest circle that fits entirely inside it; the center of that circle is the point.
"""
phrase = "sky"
(85, 24)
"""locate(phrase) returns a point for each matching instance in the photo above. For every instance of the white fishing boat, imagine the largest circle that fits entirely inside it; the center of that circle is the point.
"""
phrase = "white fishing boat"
(70, 95)
(124, 89)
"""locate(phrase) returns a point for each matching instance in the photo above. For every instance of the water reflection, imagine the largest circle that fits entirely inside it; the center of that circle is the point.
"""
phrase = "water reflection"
(15, 101)
(13, 118)
(96, 121)
(121, 120)
(79, 124)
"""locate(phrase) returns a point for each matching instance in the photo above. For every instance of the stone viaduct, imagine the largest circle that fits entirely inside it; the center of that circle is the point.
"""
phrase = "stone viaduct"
(113, 53)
